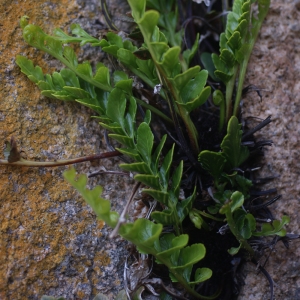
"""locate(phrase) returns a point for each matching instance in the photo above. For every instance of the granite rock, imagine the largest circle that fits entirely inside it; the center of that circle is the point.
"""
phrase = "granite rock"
(51, 242)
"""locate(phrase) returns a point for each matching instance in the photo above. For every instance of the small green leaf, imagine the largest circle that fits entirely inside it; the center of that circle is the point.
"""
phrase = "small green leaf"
(130, 118)
(228, 58)
(213, 162)
(145, 142)
(85, 69)
(76, 93)
(143, 233)
(126, 57)
(185, 273)
(170, 62)
(139, 167)
(243, 184)
(249, 226)
(275, 228)
(114, 39)
(165, 168)
(198, 101)
(35, 74)
(208, 64)
(166, 217)
(64, 96)
(132, 153)
(158, 195)
(112, 50)
(115, 128)
(91, 103)
(201, 275)
(138, 9)
(65, 38)
(119, 75)
(24, 21)
(148, 23)
(125, 140)
(102, 76)
(223, 76)
(70, 55)
(169, 245)
(233, 151)
(184, 206)
(125, 85)
(116, 106)
(196, 218)
(194, 87)
(156, 154)
(165, 242)
(85, 37)
(147, 118)
(219, 64)
(190, 255)
(182, 79)
(176, 179)
(159, 50)
(147, 67)
(99, 205)
(235, 43)
(69, 78)
(234, 250)
(245, 223)
(237, 200)
(149, 180)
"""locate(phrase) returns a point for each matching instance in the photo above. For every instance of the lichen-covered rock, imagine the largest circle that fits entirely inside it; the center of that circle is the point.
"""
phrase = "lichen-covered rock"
(50, 240)
(275, 69)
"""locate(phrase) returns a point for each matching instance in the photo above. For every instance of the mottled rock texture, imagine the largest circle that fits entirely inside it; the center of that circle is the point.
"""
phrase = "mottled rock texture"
(275, 68)
(50, 240)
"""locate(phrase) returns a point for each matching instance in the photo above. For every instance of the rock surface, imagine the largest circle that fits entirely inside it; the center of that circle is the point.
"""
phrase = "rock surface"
(275, 69)
(50, 241)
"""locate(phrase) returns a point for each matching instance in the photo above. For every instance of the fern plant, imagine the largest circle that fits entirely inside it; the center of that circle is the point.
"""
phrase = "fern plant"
(160, 165)
(232, 189)
(236, 45)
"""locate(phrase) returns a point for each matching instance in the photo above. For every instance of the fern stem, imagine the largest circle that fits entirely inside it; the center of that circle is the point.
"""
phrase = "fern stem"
(241, 79)
(191, 129)
(65, 162)
(105, 88)
(155, 110)
(189, 125)
(229, 91)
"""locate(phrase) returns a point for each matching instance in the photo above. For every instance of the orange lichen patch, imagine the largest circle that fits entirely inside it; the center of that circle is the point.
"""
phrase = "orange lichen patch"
(80, 294)
(101, 259)
(33, 239)
(100, 224)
